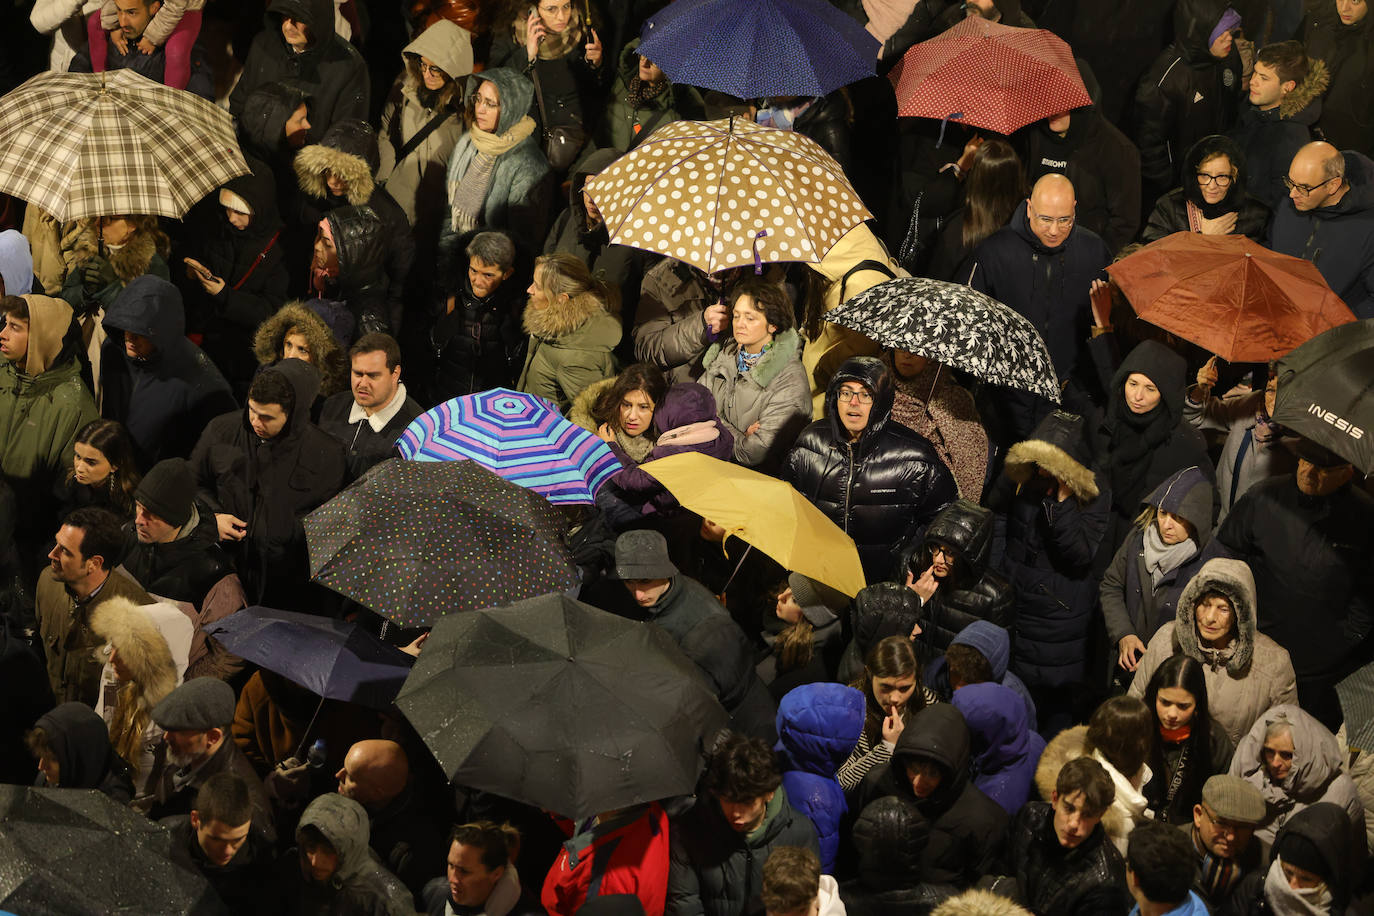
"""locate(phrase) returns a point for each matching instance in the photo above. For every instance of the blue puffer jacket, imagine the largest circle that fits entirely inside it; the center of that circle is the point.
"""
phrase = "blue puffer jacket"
(818, 726)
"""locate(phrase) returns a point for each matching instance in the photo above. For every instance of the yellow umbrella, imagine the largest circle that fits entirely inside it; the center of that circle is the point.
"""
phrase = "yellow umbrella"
(764, 512)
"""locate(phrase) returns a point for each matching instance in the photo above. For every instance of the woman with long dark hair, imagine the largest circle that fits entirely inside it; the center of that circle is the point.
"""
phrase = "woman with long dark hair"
(103, 471)
(1187, 748)
(891, 684)
(994, 185)
(620, 410)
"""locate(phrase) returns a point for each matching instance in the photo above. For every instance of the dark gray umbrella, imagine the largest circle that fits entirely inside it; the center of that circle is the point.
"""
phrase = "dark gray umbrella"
(558, 704)
(1326, 392)
(77, 852)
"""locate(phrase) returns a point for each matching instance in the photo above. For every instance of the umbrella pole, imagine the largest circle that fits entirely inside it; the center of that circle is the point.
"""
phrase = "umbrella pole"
(305, 736)
(748, 547)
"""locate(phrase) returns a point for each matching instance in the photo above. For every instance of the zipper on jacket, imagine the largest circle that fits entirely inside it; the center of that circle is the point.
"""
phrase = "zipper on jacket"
(848, 485)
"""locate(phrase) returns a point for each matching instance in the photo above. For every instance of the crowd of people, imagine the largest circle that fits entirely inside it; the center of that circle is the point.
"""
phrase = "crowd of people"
(1094, 666)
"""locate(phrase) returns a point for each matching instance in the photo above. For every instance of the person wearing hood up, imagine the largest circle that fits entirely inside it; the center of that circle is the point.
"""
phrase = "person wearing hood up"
(1212, 198)
(339, 172)
(879, 481)
(805, 641)
(642, 100)
(1246, 671)
(1005, 750)
(1192, 90)
(1329, 220)
(979, 654)
(298, 45)
(794, 885)
(274, 124)
(348, 285)
(890, 837)
(1285, 101)
(1311, 870)
(162, 387)
(818, 725)
(1341, 33)
(333, 872)
(72, 746)
(1042, 265)
(930, 767)
(264, 468)
(498, 177)
(1140, 589)
(16, 264)
(297, 331)
(241, 274)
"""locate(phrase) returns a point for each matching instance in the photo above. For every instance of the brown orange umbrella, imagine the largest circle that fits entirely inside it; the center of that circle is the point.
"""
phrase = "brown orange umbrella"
(1229, 295)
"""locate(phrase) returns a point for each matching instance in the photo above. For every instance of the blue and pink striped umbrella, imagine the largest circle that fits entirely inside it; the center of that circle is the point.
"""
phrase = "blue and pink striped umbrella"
(517, 436)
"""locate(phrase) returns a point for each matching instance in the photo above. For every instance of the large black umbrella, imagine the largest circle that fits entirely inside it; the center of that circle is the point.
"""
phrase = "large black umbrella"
(1326, 392)
(415, 540)
(561, 705)
(77, 852)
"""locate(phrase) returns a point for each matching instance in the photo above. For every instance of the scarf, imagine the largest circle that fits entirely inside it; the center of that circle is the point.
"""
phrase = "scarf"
(1134, 439)
(469, 193)
(555, 44)
(1217, 876)
(1176, 735)
(1161, 558)
(642, 93)
(636, 447)
(746, 361)
(1285, 901)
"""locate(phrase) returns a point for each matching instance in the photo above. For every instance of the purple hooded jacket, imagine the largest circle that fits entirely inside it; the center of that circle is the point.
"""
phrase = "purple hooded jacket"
(1005, 750)
(684, 404)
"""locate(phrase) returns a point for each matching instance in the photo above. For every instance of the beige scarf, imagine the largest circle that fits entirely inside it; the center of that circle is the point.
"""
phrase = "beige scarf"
(555, 44)
(468, 194)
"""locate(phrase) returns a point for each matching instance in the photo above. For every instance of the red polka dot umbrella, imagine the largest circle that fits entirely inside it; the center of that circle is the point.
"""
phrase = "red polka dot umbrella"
(989, 75)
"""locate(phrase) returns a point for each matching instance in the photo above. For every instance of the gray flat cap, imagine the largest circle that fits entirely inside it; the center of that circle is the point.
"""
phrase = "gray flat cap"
(198, 704)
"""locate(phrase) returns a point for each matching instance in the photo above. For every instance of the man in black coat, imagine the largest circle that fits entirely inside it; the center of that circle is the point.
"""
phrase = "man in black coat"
(219, 840)
(878, 480)
(134, 19)
(172, 549)
(477, 340)
(1285, 101)
(372, 414)
(299, 45)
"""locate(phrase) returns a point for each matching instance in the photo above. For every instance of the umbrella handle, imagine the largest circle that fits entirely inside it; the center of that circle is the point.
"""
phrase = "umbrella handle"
(758, 261)
(305, 736)
(743, 557)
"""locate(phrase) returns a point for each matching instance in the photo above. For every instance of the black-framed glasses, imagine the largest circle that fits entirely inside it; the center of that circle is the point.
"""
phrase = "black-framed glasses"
(1292, 185)
(1221, 181)
(849, 394)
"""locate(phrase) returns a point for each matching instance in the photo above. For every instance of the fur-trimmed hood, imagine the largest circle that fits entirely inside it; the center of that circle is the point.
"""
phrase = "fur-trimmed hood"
(1059, 446)
(325, 351)
(153, 642)
(785, 348)
(133, 259)
(1070, 745)
(562, 317)
(581, 410)
(1233, 579)
(980, 903)
(1308, 92)
(349, 150)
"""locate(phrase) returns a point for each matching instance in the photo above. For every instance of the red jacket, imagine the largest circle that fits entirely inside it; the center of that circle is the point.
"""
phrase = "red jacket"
(625, 855)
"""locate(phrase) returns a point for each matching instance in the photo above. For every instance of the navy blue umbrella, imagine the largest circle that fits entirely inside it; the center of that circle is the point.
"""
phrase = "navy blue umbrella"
(333, 659)
(755, 48)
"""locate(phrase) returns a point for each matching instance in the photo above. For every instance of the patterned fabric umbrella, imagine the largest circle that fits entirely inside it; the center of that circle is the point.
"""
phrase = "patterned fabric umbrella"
(989, 75)
(754, 48)
(958, 326)
(415, 540)
(721, 194)
(100, 144)
(520, 437)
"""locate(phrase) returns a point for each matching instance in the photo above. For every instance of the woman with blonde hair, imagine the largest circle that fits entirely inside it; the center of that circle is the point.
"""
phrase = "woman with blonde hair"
(571, 321)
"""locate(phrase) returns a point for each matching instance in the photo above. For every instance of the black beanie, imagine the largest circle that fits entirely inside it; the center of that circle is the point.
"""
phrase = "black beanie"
(168, 491)
(1296, 849)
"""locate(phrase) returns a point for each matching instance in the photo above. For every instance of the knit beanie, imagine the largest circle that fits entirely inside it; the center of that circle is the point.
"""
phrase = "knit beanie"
(168, 491)
(1298, 850)
(807, 592)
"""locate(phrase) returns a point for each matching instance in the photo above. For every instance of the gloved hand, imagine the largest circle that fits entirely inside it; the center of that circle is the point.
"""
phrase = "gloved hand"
(96, 275)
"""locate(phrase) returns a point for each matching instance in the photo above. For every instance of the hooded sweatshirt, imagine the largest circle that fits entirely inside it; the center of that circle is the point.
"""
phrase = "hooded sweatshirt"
(994, 644)
(80, 741)
(359, 884)
(1005, 750)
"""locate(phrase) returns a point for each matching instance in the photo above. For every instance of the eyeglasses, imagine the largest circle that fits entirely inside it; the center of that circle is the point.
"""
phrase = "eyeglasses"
(1045, 222)
(863, 395)
(551, 10)
(1230, 828)
(481, 101)
(1221, 181)
(431, 70)
(1305, 190)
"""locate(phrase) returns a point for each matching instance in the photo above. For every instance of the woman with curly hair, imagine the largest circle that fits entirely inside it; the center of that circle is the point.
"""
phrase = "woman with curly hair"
(297, 332)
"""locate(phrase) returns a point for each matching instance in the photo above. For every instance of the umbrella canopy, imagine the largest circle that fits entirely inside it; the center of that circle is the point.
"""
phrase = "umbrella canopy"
(703, 191)
(1229, 295)
(754, 48)
(519, 437)
(1326, 392)
(765, 512)
(957, 326)
(415, 540)
(334, 659)
(105, 144)
(989, 75)
(1356, 693)
(78, 852)
(561, 705)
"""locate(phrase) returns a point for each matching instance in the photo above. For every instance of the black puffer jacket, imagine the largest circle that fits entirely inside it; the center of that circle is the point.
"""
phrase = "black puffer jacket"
(1083, 881)
(830, 122)
(1170, 214)
(1186, 94)
(184, 569)
(359, 297)
(882, 489)
(330, 69)
(967, 828)
(1049, 548)
(1347, 117)
(890, 836)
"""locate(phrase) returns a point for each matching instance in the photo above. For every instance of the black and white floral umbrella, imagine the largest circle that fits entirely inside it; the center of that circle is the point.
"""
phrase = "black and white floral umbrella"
(957, 326)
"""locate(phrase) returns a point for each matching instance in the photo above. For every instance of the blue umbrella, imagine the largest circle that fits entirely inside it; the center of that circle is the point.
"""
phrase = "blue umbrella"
(333, 659)
(753, 48)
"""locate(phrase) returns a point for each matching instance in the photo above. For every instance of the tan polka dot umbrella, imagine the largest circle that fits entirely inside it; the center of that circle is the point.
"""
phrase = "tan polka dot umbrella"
(721, 194)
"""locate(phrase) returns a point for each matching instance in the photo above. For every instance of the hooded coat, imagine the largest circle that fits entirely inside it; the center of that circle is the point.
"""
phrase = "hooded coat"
(1005, 750)
(1338, 239)
(1348, 52)
(270, 484)
(618, 265)
(359, 884)
(890, 836)
(1323, 827)
(167, 399)
(1316, 776)
(570, 344)
(669, 330)
(328, 357)
(994, 644)
(80, 740)
(1132, 603)
(357, 301)
(1244, 680)
(520, 191)
(1050, 545)
(1055, 881)
(1270, 139)
(818, 725)
(261, 124)
(1171, 212)
(44, 404)
(623, 126)
(967, 828)
(1186, 94)
(974, 591)
(329, 69)
(880, 489)
(1128, 809)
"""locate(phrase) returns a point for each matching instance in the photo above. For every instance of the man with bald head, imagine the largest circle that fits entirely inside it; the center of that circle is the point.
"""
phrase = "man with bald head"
(404, 833)
(1042, 265)
(1328, 219)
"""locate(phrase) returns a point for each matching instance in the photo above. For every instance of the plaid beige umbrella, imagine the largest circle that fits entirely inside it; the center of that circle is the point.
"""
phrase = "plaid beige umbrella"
(721, 194)
(101, 144)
